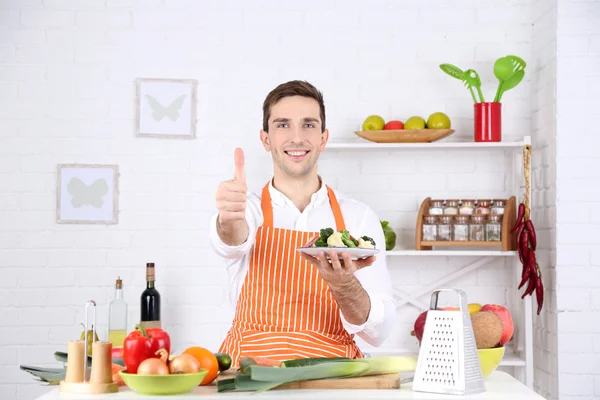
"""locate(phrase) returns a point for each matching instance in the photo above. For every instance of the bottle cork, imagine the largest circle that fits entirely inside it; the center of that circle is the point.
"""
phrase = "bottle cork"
(75, 355)
(101, 363)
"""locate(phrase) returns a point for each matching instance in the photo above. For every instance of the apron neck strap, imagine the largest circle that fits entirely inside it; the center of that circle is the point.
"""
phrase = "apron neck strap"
(267, 208)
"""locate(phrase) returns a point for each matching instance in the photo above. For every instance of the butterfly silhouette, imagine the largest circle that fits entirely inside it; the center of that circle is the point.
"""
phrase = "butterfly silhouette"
(159, 111)
(84, 194)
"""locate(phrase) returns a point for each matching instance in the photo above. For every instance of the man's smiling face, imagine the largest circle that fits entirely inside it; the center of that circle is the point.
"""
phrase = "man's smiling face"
(295, 138)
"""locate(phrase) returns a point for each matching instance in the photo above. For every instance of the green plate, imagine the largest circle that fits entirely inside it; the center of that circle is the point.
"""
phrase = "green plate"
(163, 384)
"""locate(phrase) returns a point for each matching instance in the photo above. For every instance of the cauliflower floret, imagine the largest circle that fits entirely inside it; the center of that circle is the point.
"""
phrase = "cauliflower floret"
(365, 244)
(335, 240)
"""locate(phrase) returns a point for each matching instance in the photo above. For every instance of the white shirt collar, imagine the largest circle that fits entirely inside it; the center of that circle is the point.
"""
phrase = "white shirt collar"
(282, 200)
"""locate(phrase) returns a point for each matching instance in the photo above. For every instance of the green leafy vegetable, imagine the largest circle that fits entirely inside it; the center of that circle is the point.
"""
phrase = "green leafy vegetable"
(368, 239)
(347, 239)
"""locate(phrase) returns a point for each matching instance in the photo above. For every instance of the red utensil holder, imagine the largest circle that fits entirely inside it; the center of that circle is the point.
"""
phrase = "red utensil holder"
(488, 122)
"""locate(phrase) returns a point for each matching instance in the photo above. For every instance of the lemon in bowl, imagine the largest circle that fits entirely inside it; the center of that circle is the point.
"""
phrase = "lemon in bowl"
(163, 384)
(490, 359)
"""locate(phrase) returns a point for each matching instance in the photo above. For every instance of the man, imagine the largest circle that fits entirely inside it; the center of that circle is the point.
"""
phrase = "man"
(290, 305)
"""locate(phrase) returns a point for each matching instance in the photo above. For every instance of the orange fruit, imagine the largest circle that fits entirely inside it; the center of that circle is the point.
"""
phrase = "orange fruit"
(207, 361)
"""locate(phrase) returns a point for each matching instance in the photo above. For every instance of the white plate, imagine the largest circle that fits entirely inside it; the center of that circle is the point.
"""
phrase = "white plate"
(355, 252)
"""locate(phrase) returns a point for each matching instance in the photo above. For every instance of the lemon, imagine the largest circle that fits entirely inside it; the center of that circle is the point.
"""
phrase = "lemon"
(438, 120)
(474, 307)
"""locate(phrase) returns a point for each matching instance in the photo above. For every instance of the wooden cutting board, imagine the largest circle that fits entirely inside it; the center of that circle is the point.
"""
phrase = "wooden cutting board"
(390, 381)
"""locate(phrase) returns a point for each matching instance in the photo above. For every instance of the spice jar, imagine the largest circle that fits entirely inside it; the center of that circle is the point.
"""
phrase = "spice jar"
(483, 207)
(498, 207)
(477, 228)
(430, 228)
(445, 228)
(460, 228)
(451, 207)
(493, 228)
(436, 207)
(467, 207)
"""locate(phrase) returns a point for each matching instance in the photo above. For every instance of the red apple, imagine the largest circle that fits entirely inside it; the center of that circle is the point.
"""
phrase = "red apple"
(420, 325)
(506, 318)
(393, 125)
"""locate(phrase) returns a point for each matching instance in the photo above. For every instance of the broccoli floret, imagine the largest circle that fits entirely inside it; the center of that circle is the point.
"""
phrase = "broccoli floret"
(325, 233)
(368, 239)
(322, 240)
(347, 239)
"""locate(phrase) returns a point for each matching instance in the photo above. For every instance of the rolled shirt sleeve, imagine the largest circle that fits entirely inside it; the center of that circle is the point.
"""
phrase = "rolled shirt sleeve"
(376, 281)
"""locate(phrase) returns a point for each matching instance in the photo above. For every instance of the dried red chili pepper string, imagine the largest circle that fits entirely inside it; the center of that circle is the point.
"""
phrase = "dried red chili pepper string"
(526, 241)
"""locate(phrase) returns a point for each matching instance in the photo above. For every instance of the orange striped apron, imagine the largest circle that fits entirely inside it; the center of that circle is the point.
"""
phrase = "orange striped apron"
(285, 309)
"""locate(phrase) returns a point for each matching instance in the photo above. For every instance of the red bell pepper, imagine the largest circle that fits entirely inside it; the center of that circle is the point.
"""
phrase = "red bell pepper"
(142, 344)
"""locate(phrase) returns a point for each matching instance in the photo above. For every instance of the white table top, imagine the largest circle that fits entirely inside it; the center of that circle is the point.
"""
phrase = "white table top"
(499, 385)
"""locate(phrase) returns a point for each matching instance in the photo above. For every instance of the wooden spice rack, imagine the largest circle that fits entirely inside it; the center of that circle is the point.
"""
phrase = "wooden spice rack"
(508, 242)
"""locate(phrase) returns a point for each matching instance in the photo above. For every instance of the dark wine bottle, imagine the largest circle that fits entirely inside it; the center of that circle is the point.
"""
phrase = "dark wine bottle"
(150, 301)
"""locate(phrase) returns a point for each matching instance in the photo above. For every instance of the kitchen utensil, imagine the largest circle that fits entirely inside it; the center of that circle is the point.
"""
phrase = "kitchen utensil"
(504, 69)
(163, 384)
(452, 70)
(448, 361)
(511, 82)
(471, 80)
(77, 379)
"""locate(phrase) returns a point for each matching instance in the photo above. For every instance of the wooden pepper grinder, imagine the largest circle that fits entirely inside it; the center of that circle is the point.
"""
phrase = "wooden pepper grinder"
(77, 379)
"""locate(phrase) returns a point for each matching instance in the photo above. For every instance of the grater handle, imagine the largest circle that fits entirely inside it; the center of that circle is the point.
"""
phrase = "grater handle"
(462, 298)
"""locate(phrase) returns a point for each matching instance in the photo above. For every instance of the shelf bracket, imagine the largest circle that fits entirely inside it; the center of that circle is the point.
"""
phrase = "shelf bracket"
(413, 299)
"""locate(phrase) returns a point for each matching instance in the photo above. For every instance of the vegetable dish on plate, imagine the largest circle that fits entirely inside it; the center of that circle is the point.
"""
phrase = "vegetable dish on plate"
(331, 238)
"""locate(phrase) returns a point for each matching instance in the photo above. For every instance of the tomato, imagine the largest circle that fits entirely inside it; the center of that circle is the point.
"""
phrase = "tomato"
(207, 361)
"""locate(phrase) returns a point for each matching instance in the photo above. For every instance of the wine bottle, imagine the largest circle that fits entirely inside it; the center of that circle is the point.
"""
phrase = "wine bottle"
(117, 317)
(150, 301)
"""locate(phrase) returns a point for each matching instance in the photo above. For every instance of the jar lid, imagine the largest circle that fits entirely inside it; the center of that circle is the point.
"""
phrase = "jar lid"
(462, 218)
(437, 202)
(446, 218)
(478, 218)
(452, 202)
(495, 217)
(430, 218)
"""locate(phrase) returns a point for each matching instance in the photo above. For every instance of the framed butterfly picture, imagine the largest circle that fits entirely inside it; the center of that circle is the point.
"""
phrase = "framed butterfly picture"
(166, 108)
(87, 194)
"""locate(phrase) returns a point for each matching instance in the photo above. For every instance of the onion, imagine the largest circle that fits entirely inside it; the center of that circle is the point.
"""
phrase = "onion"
(184, 364)
(155, 366)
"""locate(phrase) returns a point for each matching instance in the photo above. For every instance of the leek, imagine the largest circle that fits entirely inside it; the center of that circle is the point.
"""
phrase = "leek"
(259, 378)
(337, 369)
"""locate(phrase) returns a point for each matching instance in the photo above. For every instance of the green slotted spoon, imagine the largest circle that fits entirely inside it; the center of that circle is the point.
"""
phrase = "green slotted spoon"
(504, 70)
(471, 80)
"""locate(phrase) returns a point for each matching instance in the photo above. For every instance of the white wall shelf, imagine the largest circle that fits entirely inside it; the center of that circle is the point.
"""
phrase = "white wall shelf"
(364, 144)
(522, 311)
(450, 253)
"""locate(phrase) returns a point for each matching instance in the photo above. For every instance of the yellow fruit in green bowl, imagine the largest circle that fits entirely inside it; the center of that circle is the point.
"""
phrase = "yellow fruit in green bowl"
(373, 123)
(414, 123)
(474, 307)
(163, 384)
(438, 120)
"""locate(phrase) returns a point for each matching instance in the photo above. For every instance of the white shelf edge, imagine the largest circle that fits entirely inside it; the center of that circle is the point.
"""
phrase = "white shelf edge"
(439, 145)
(451, 253)
(510, 359)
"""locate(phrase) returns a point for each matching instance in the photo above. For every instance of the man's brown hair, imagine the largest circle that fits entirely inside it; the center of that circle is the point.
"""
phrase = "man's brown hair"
(292, 88)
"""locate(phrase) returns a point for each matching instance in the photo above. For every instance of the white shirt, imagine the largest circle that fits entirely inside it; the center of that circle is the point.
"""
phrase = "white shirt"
(359, 219)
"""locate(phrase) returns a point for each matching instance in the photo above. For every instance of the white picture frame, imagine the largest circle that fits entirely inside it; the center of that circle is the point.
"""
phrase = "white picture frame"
(87, 194)
(166, 108)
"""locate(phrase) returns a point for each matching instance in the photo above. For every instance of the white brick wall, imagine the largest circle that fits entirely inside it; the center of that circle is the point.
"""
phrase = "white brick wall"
(66, 95)
(577, 180)
(543, 186)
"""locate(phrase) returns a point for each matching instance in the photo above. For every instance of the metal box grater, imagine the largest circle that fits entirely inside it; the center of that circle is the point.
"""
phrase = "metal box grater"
(448, 361)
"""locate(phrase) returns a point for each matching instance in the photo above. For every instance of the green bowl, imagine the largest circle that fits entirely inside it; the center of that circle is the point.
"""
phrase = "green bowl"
(490, 359)
(163, 384)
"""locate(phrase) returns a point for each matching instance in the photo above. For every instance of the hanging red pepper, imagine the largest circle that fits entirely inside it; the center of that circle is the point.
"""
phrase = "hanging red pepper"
(142, 344)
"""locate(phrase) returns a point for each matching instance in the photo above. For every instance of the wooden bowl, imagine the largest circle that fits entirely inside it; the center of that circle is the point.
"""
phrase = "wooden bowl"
(405, 136)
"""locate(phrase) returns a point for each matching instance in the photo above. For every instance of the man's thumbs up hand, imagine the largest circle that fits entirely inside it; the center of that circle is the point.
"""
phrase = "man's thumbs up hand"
(231, 195)
(238, 159)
